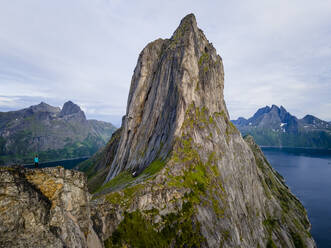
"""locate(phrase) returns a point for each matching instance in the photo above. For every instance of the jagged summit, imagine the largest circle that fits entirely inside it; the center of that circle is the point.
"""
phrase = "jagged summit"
(170, 76)
(44, 107)
(187, 25)
(70, 108)
(270, 117)
(310, 119)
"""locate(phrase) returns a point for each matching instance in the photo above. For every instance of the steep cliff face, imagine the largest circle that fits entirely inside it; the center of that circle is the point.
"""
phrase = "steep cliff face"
(45, 208)
(170, 76)
(97, 167)
(198, 206)
(197, 182)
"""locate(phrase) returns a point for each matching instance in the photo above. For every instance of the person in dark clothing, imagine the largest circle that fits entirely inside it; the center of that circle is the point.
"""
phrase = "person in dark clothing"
(36, 161)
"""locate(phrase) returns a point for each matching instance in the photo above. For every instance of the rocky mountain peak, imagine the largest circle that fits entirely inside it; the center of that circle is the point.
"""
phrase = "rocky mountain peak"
(277, 127)
(70, 108)
(180, 167)
(261, 111)
(282, 108)
(280, 111)
(273, 117)
(171, 77)
(188, 19)
(187, 25)
(44, 107)
(314, 122)
(309, 119)
(43, 104)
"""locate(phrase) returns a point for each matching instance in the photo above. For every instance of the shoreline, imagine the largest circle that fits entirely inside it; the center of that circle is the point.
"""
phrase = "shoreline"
(54, 161)
(306, 148)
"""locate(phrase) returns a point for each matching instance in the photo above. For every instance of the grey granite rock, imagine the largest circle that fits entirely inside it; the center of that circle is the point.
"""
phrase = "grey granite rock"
(204, 185)
(170, 75)
(45, 208)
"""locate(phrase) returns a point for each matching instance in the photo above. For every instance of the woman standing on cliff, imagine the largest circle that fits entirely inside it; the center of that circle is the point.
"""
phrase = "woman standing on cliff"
(36, 161)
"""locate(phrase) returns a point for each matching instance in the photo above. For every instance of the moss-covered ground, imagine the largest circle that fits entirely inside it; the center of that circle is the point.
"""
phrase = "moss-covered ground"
(201, 179)
(200, 176)
(138, 230)
(125, 178)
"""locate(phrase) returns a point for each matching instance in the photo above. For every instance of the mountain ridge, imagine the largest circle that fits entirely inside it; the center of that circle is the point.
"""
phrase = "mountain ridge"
(276, 127)
(51, 132)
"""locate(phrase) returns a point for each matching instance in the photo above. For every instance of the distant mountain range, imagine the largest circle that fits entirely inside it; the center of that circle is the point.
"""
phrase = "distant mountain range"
(274, 126)
(51, 132)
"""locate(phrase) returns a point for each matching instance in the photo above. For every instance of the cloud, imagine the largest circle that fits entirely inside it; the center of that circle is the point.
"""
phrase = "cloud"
(273, 52)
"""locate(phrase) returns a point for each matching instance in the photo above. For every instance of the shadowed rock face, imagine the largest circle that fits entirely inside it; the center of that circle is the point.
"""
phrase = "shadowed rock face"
(45, 208)
(199, 183)
(97, 167)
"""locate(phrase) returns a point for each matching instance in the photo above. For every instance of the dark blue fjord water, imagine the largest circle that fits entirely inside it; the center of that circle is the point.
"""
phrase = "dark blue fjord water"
(308, 174)
(68, 164)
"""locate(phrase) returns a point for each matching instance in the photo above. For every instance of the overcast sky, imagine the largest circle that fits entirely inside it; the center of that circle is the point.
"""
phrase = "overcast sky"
(274, 52)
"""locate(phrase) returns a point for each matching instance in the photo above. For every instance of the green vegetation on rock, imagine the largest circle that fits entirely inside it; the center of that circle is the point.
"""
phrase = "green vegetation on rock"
(275, 188)
(125, 178)
(138, 230)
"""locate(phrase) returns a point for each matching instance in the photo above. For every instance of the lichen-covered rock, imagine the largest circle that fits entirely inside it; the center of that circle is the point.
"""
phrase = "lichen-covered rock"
(45, 208)
(197, 182)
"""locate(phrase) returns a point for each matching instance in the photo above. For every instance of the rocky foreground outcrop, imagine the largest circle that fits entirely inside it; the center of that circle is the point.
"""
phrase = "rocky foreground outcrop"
(178, 173)
(45, 208)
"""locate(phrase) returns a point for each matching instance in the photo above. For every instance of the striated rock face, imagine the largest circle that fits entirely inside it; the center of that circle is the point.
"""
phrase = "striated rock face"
(198, 183)
(170, 76)
(45, 208)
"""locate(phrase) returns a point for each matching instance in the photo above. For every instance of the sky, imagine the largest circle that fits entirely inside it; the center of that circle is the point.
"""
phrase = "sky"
(274, 52)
